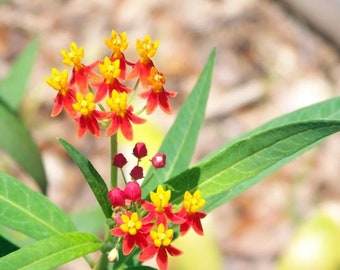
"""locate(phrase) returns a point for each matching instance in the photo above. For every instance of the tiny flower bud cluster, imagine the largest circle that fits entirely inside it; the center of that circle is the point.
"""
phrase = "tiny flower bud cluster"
(150, 224)
(98, 93)
(139, 151)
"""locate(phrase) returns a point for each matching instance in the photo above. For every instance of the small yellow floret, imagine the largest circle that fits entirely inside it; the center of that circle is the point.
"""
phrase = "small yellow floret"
(146, 48)
(117, 43)
(161, 237)
(110, 70)
(117, 102)
(161, 198)
(84, 105)
(156, 80)
(193, 203)
(58, 80)
(74, 56)
(131, 224)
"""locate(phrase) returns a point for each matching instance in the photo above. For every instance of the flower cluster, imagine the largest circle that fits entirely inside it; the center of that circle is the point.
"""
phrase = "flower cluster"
(150, 224)
(99, 93)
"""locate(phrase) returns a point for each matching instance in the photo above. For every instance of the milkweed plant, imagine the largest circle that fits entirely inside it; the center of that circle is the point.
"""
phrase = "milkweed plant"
(153, 207)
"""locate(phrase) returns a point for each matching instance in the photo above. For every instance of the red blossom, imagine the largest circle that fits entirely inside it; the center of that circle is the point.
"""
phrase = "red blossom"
(121, 115)
(133, 230)
(160, 246)
(157, 95)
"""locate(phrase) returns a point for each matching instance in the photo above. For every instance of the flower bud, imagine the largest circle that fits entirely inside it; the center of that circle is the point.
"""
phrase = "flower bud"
(117, 197)
(119, 160)
(159, 160)
(140, 151)
(136, 173)
(113, 255)
(133, 191)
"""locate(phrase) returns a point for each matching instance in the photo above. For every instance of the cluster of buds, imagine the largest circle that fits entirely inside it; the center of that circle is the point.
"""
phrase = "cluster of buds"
(98, 94)
(150, 224)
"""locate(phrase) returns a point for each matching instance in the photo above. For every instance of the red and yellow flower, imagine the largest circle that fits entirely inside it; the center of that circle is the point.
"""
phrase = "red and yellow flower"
(82, 75)
(133, 230)
(146, 49)
(118, 43)
(160, 246)
(66, 95)
(121, 115)
(157, 95)
(88, 115)
(111, 71)
(160, 208)
(191, 214)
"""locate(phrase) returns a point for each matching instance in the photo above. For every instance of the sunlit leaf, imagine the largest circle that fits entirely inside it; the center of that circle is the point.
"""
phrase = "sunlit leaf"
(51, 252)
(242, 163)
(30, 212)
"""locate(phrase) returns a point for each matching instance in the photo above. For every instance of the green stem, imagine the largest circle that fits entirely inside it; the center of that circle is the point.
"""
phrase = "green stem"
(114, 171)
(103, 261)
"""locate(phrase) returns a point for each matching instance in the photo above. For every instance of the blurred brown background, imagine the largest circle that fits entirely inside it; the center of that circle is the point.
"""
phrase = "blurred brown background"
(272, 57)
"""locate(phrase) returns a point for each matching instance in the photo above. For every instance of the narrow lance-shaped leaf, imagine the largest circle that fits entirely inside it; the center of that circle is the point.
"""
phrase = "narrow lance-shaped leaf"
(180, 141)
(93, 178)
(324, 110)
(51, 252)
(239, 166)
(13, 87)
(16, 141)
(29, 212)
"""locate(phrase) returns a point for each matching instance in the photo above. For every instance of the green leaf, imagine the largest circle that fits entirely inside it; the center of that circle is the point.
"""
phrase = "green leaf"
(29, 212)
(51, 252)
(17, 142)
(89, 220)
(240, 165)
(13, 87)
(180, 141)
(93, 178)
(6, 247)
(325, 110)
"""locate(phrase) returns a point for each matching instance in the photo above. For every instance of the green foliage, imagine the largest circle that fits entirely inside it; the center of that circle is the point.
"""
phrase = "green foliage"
(51, 252)
(15, 139)
(29, 212)
(93, 178)
(235, 168)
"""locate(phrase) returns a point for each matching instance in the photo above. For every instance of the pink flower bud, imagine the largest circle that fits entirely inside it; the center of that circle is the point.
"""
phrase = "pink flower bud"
(119, 160)
(159, 160)
(137, 173)
(133, 191)
(140, 151)
(117, 197)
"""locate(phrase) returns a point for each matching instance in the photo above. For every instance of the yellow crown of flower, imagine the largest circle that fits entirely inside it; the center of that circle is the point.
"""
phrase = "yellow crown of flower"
(74, 56)
(193, 203)
(58, 80)
(117, 43)
(84, 105)
(146, 48)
